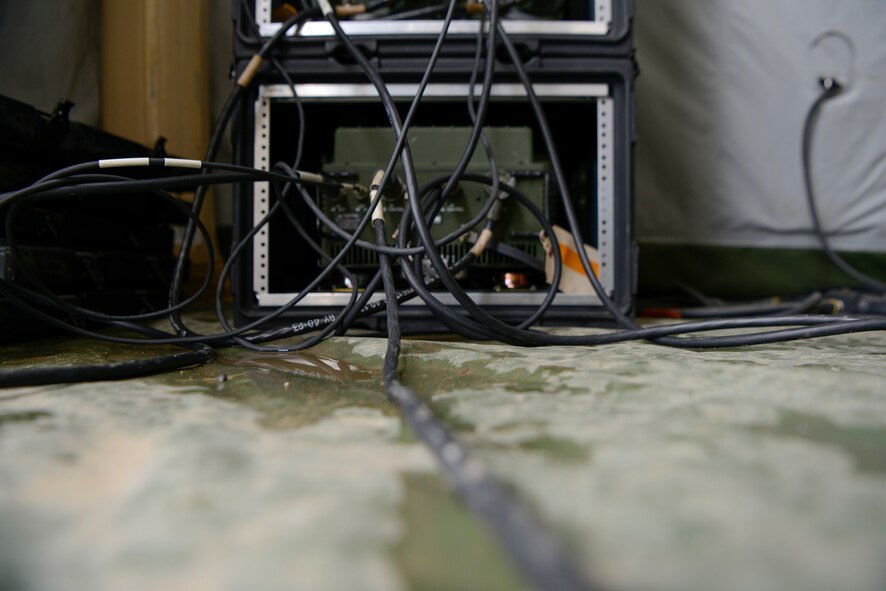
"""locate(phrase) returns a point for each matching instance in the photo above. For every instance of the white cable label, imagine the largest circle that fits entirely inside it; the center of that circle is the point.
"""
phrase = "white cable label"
(182, 163)
(310, 177)
(378, 213)
(123, 162)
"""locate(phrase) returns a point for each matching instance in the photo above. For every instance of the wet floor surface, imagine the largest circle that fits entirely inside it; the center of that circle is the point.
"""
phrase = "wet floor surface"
(659, 469)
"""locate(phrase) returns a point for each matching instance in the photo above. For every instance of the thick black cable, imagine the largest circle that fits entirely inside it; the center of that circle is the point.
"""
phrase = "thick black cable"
(536, 554)
(351, 315)
(541, 562)
(119, 370)
(753, 309)
(62, 185)
(176, 287)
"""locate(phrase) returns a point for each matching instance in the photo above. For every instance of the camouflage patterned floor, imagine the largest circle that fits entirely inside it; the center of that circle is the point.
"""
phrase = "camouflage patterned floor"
(660, 469)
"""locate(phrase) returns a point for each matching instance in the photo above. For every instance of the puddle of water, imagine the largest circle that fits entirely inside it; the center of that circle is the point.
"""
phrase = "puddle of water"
(304, 365)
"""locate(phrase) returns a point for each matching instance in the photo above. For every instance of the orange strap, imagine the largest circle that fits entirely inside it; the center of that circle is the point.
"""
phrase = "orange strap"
(573, 261)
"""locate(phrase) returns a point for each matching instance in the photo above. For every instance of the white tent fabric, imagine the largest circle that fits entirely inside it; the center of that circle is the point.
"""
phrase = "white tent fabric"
(722, 96)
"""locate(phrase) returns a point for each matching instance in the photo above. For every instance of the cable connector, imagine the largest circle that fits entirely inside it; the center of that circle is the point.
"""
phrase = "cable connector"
(325, 7)
(360, 192)
(378, 213)
(830, 84)
(482, 242)
(310, 177)
(250, 71)
(347, 10)
(497, 207)
(473, 7)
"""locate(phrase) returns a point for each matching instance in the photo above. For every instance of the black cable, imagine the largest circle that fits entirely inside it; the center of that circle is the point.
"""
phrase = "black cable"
(153, 184)
(77, 181)
(504, 331)
(219, 128)
(768, 308)
(483, 324)
(270, 44)
(413, 14)
(60, 184)
(295, 20)
(545, 224)
(525, 259)
(177, 285)
(362, 309)
(119, 370)
(537, 338)
(301, 121)
(507, 333)
(219, 178)
(533, 551)
(410, 179)
(329, 224)
(562, 183)
(16, 259)
(327, 330)
(350, 237)
(395, 155)
(354, 236)
(478, 116)
(85, 185)
(830, 89)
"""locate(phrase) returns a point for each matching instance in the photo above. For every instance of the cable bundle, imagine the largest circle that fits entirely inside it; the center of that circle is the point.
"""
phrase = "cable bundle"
(532, 549)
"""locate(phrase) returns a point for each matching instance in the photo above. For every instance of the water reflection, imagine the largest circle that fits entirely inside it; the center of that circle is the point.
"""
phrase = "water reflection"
(300, 364)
